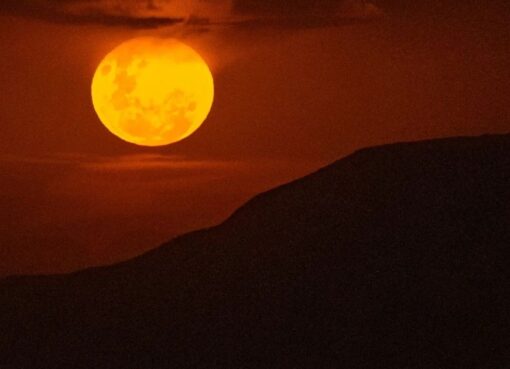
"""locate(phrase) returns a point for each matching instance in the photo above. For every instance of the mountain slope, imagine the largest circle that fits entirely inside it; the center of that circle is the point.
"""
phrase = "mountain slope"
(393, 257)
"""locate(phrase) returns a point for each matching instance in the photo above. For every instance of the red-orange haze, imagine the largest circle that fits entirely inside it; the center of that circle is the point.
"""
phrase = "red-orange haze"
(296, 89)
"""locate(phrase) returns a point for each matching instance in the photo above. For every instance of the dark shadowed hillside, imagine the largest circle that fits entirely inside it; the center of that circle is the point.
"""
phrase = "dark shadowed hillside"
(392, 258)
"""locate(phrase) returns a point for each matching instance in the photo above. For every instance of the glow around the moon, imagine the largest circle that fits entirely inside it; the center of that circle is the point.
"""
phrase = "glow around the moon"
(152, 92)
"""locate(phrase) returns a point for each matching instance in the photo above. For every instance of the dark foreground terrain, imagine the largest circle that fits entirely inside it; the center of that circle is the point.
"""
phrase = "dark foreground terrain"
(392, 258)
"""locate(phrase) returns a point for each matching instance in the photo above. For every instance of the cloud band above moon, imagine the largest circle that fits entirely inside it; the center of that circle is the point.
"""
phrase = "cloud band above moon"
(161, 13)
(85, 12)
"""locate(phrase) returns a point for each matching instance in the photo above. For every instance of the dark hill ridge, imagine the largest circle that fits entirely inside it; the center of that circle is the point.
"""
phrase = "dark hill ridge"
(394, 257)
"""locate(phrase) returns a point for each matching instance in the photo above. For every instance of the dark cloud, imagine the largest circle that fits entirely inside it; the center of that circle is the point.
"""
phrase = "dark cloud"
(302, 13)
(297, 22)
(244, 13)
(193, 13)
(364, 8)
(97, 12)
(443, 8)
(291, 7)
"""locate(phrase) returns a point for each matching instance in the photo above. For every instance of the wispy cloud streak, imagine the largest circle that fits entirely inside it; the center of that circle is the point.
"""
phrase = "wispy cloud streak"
(121, 163)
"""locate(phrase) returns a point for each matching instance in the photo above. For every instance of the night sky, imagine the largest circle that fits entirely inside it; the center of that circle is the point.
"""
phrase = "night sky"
(299, 84)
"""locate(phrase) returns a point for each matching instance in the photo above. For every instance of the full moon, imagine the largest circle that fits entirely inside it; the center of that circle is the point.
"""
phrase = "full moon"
(152, 92)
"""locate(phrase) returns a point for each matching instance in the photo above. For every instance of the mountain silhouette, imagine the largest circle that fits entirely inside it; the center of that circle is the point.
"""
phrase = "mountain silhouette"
(393, 257)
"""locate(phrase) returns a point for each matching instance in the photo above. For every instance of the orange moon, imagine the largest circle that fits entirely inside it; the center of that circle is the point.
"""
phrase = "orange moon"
(152, 92)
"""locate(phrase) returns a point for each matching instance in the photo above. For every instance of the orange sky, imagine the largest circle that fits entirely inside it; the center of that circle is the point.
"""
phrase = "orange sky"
(293, 93)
